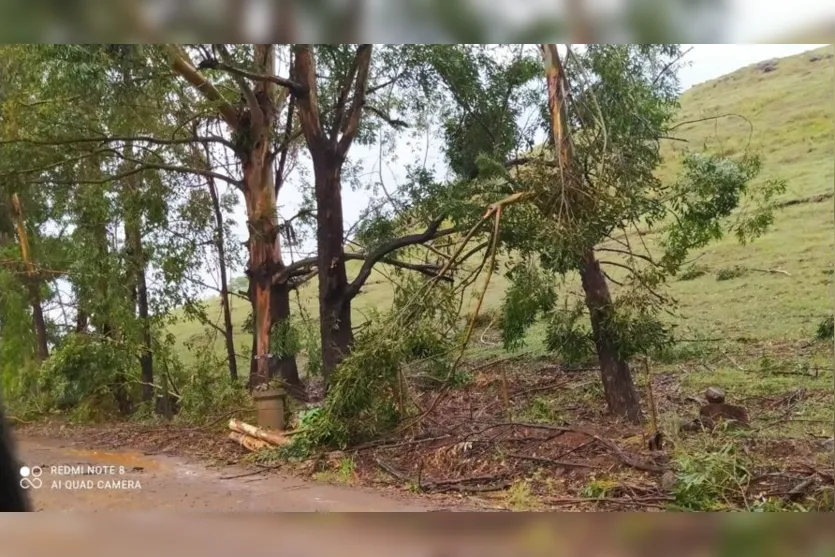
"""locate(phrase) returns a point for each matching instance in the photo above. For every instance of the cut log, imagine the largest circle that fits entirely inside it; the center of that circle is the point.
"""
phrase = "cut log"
(247, 442)
(273, 438)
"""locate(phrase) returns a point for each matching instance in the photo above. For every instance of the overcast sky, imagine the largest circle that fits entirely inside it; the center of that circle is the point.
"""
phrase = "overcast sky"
(706, 62)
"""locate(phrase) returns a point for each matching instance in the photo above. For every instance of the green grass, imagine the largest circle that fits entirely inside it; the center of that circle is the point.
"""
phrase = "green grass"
(788, 116)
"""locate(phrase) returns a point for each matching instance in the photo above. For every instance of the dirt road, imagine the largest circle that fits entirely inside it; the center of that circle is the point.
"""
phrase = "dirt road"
(73, 478)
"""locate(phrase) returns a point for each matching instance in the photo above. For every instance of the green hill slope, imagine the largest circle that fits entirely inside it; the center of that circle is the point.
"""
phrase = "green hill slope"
(787, 114)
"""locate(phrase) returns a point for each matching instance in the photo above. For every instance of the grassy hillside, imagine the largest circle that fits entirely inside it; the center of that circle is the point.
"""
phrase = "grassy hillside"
(786, 114)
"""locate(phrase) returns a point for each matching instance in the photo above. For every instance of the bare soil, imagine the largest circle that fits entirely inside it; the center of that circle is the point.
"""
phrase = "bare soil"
(161, 482)
(549, 444)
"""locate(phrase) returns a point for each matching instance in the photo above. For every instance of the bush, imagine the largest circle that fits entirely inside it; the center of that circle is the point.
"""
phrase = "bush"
(207, 390)
(89, 373)
(710, 480)
(311, 345)
(693, 272)
(638, 331)
(729, 273)
(826, 328)
(530, 293)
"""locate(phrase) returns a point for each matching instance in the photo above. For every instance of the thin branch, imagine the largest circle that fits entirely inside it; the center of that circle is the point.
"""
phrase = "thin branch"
(383, 85)
(285, 147)
(145, 166)
(296, 88)
(125, 138)
(667, 67)
(393, 122)
(430, 233)
(254, 108)
(629, 254)
(352, 125)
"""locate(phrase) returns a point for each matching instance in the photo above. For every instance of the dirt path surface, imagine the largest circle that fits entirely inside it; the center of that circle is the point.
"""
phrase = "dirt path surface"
(74, 478)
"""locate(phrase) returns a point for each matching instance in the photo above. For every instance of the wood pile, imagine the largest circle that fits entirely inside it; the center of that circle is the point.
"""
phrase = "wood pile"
(254, 438)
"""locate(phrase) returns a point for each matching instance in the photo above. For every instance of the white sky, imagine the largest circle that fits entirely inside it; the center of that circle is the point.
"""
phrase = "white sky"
(706, 62)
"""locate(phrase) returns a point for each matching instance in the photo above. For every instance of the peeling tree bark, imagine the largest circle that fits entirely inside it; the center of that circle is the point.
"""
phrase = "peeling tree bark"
(264, 250)
(253, 127)
(621, 396)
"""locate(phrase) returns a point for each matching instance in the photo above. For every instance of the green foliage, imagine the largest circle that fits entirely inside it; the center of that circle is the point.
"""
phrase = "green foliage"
(367, 395)
(599, 488)
(633, 326)
(205, 388)
(826, 328)
(86, 370)
(303, 444)
(284, 339)
(710, 480)
(312, 346)
(709, 191)
(488, 93)
(693, 272)
(539, 410)
(569, 339)
(636, 329)
(361, 401)
(17, 341)
(730, 273)
(530, 294)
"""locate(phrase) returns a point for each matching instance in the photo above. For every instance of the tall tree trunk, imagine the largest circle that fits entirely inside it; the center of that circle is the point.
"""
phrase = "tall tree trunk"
(146, 360)
(618, 387)
(334, 307)
(259, 186)
(139, 297)
(81, 318)
(621, 396)
(328, 150)
(228, 331)
(32, 282)
(38, 320)
(135, 256)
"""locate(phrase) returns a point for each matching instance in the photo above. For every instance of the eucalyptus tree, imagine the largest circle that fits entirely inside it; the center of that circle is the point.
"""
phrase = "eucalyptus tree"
(80, 132)
(337, 93)
(591, 181)
(253, 117)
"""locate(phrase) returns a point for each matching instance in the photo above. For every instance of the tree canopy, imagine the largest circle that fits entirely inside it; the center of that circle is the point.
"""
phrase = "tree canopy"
(124, 167)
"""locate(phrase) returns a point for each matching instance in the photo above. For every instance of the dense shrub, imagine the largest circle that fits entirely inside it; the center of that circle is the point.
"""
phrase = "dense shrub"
(89, 372)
